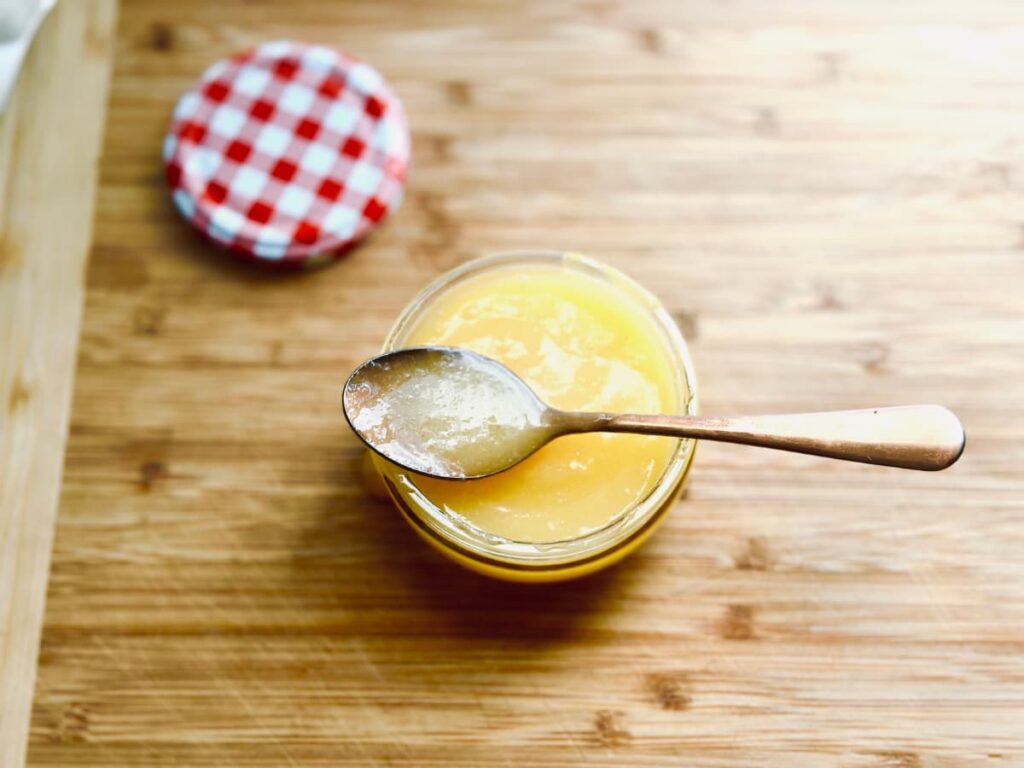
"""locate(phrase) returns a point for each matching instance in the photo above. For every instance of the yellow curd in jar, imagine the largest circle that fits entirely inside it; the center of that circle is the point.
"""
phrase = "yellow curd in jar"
(582, 343)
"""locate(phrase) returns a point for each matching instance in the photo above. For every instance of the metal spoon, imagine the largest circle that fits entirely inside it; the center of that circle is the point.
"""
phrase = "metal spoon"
(455, 414)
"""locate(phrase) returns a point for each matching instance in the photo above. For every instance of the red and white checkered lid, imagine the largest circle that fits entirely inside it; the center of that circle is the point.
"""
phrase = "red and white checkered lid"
(288, 153)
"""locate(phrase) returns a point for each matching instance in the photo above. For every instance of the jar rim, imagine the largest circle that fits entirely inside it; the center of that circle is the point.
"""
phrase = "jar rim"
(482, 546)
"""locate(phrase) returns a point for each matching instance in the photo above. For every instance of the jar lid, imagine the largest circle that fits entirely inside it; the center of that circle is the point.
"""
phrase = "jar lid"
(287, 154)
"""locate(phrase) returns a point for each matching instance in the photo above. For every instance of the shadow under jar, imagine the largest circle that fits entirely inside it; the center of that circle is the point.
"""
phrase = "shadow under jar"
(584, 337)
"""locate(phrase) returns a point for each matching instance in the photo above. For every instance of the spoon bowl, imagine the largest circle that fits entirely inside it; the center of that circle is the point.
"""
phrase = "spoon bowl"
(455, 414)
(446, 412)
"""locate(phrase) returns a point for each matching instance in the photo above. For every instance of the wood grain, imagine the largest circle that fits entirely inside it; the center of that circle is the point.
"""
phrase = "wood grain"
(828, 198)
(47, 179)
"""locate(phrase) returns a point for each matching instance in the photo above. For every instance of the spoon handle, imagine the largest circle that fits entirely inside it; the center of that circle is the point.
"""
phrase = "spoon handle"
(927, 437)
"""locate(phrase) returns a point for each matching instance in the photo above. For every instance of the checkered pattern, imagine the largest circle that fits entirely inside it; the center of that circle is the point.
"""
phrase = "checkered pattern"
(287, 153)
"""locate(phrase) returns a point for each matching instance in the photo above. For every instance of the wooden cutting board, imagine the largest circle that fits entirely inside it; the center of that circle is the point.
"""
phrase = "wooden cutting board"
(828, 196)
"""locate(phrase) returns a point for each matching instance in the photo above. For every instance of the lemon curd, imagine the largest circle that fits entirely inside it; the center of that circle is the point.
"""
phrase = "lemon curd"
(584, 338)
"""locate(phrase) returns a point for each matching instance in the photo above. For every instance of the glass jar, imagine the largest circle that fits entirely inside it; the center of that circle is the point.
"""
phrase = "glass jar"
(504, 558)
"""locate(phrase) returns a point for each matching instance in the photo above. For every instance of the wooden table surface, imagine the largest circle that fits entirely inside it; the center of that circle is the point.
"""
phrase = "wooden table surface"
(828, 196)
(47, 185)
